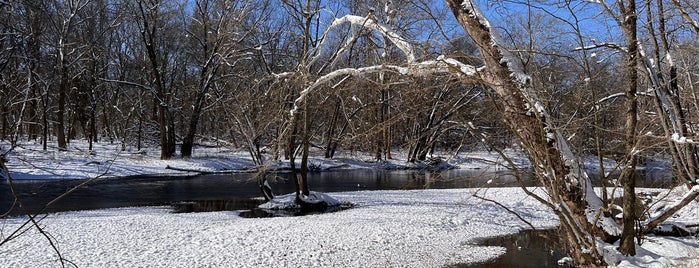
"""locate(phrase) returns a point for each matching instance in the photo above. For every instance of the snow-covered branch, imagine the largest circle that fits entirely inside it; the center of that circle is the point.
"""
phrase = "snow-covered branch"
(660, 92)
(425, 68)
(514, 65)
(647, 93)
(602, 45)
(665, 213)
(367, 22)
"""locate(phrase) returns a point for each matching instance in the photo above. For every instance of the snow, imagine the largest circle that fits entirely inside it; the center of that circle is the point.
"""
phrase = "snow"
(29, 162)
(659, 252)
(687, 215)
(427, 228)
(288, 201)
(680, 139)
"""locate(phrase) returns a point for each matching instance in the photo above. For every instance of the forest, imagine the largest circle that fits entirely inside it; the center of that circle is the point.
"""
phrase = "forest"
(556, 79)
(159, 74)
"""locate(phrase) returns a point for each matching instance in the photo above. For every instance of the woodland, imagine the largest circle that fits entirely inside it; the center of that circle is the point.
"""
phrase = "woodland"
(558, 80)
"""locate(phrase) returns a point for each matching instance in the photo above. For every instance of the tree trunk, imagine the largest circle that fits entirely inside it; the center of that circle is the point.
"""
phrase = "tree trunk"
(93, 130)
(188, 140)
(139, 132)
(385, 121)
(167, 134)
(45, 122)
(34, 62)
(149, 31)
(292, 159)
(330, 134)
(687, 153)
(304, 157)
(4, 113)
(557, 169)
(59, 127)
(628, 234)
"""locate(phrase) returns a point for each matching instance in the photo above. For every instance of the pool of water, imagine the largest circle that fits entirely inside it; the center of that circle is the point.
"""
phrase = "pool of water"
(528, 248)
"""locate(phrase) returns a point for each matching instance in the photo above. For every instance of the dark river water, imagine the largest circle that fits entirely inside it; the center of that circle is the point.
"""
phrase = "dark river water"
(165, 190)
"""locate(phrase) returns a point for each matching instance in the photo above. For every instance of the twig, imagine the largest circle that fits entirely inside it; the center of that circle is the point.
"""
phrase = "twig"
(33, 218)
(508, 210)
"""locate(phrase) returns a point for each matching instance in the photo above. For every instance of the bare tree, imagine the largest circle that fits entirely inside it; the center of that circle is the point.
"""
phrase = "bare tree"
(67, 52)
(151, 17)
(571, 195)
(218, 30)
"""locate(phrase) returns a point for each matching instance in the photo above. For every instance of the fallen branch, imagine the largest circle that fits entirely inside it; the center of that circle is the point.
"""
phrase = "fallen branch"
(690, 196)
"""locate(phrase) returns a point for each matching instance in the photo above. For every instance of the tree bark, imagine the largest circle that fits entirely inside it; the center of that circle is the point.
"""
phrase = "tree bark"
(330, 134)
(304, 155)
(188, 140)
(628, 234)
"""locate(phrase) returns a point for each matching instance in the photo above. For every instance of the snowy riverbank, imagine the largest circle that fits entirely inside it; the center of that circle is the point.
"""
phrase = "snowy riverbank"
(29, 162)
(417, 228)
(427, 228)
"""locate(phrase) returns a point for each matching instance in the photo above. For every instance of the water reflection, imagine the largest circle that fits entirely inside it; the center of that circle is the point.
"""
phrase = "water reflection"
(527, 248)
(216, 205)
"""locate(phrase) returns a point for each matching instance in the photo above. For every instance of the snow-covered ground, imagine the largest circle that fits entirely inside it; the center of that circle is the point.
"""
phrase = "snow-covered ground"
(664, 251)
(419, 228)
(424, 228)
(29, 162)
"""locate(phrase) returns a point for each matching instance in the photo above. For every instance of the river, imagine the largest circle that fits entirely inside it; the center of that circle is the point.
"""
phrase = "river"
(239, 191)
(165, 190)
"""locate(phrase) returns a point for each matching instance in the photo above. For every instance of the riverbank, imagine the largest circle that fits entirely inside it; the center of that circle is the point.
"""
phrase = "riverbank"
(398, 228)
(409, 228)
(29, 162)
(418, 228)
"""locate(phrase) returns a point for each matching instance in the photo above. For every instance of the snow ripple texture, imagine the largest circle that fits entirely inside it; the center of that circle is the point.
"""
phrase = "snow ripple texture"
(423, 228)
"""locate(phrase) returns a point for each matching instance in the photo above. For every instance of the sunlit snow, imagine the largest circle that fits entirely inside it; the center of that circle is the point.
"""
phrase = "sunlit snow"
(417, 228)
(428, 228)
